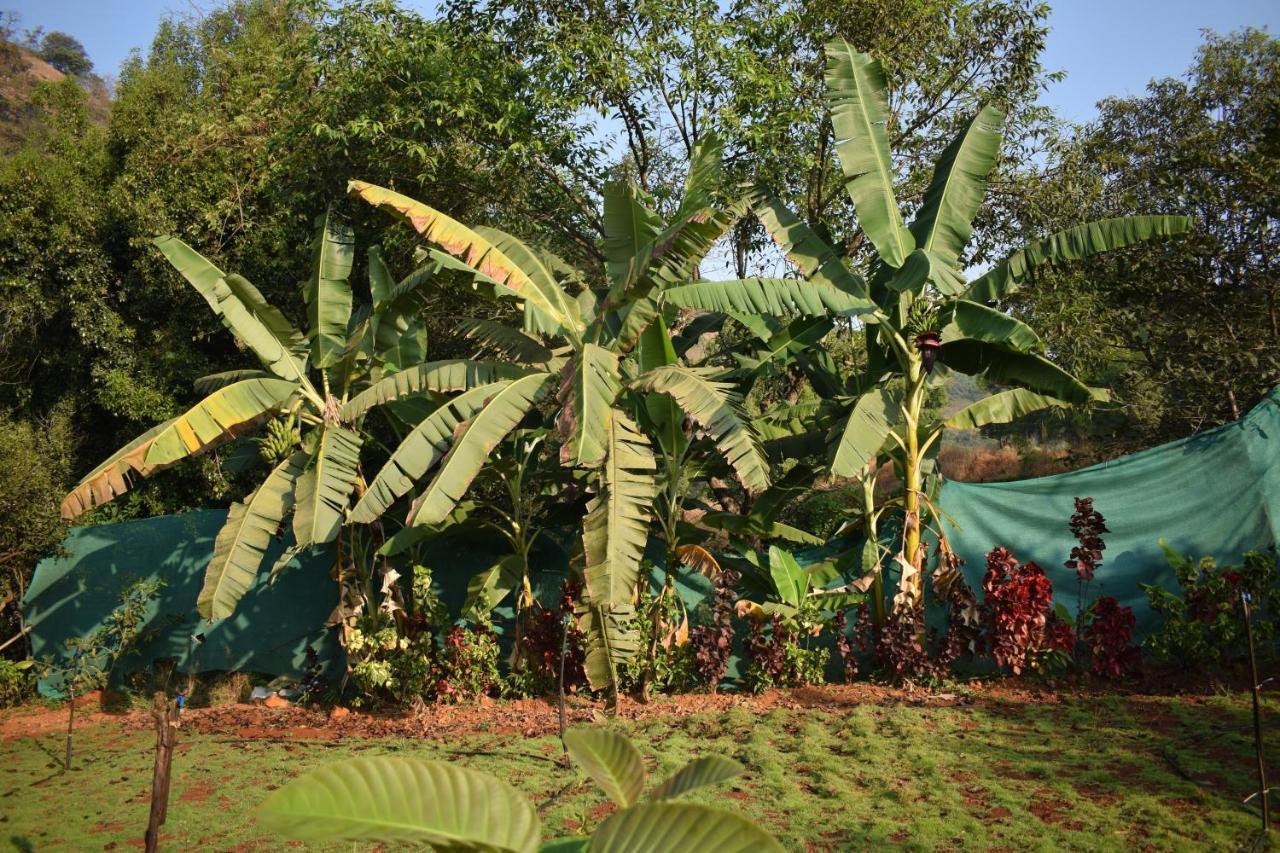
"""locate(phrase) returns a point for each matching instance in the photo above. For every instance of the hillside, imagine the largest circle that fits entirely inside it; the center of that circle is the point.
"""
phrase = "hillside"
(21, 71)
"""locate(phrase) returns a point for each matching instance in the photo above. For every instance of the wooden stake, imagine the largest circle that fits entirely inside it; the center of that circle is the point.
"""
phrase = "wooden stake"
(1257, 717)
(165, 714)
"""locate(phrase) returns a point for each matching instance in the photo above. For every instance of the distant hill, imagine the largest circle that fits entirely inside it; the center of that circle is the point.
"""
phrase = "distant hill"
(21, 70)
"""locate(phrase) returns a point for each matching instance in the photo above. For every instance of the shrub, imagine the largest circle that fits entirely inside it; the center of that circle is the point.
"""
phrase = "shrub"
(542, 641)
(1203, 626)
(1018, 598)
(1108, 636)
(17, 681)
(712, 643)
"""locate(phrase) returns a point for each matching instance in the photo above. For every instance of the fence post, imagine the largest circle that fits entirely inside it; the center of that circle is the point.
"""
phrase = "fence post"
(1257, 717)
(166, 718)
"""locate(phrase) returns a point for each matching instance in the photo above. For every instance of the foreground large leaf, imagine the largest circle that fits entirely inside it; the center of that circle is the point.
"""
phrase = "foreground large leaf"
(325, 486)
(393, 799)
(855, 94)
(1072, 244)
(610, 759)
(717, 409)
(222, 415)
(475, 250)
(114, 476)
(784, 297)
(422, 448)
(243, 541)
(473, 443)
(668, 827)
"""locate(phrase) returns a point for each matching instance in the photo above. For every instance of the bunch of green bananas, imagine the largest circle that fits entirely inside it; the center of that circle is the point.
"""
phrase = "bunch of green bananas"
(281, 439)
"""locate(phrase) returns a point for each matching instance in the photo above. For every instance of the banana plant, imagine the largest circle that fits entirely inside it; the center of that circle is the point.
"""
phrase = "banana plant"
(628, 412)
(447, 807)
(795, 593)
(303, 393)
(920, 313)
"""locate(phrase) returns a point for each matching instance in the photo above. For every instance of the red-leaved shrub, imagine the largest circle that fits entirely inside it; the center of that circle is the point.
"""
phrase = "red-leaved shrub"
(1108, 635)
(1018, 598)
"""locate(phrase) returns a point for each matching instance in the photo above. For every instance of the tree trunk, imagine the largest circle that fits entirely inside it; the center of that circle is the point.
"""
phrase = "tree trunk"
(911, 585)
(71, 721)
(165, 714)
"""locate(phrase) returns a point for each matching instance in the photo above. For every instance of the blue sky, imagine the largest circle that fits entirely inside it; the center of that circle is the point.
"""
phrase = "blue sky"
(1107, 47)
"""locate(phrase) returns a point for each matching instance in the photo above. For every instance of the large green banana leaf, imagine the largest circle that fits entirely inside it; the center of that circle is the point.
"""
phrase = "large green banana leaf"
(268, 314)
(715, 406)
(614, 534)
(243, 541)
(977, 321)
(210, 282)
(1002, 408)
(455, 374)
(586, 406)
(1071, 244)
(813, 257)
(540, 267)
(511, 344)
(656, 350)
(717, 409)
(855, 93)
(224, 414)
(476, 251)
(113, 477)
(944, 222)
(327, 290)
(325, 487)
(1010, 367)
(474, 441)
(873, 417)
(425, 445)
(780, 297)
(493, 585)
(629, 231)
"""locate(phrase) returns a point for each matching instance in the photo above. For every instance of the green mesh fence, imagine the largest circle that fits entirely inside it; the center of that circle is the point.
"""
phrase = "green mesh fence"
(1215, 494)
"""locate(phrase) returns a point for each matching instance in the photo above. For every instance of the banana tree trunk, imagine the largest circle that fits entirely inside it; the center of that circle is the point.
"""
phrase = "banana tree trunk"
(911, 585)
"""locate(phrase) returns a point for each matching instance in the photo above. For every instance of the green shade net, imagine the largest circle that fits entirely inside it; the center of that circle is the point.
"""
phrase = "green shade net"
(1215, 494)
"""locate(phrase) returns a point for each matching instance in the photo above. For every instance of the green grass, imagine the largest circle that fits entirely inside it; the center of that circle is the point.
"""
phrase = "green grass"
(1089, 774)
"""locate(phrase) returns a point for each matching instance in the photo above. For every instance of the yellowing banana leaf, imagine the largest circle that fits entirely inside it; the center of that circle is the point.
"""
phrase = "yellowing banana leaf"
(226, 413)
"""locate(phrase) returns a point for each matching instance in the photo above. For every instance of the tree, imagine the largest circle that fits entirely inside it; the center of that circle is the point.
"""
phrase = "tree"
(665, 75)
(627, 411)
(1184, 332)
(923, 316)
(65, 53)
(306, 391)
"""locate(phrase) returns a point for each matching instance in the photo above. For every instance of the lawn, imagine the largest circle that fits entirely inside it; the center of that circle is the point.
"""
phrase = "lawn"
(829, 769)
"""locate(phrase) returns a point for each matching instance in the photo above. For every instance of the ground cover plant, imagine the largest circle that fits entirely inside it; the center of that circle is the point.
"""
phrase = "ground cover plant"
(824, 768)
